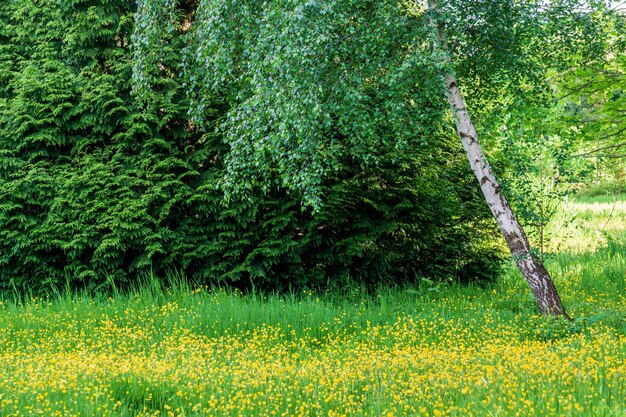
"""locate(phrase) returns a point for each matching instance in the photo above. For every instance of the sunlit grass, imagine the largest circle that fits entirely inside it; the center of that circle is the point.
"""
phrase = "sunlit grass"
(433, 350)
(586, 224)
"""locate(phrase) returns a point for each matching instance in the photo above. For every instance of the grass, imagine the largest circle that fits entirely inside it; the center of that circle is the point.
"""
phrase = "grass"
(433, 350)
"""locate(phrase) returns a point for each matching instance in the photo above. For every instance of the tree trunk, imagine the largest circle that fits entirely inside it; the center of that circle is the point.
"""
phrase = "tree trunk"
(535, 274)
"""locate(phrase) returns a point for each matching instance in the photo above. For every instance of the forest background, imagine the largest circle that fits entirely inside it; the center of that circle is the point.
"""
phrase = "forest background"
(104, 181)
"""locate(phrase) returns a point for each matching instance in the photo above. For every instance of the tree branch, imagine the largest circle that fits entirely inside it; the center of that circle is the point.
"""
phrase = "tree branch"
(592, 153)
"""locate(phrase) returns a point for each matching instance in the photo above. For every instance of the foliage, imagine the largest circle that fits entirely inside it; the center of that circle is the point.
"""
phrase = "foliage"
(86, 179)
(595, 101)
(99, 189)
(605, 189)
(574, 125)
(309, 84)
(595, 90)
(533, 159)
(510, 46)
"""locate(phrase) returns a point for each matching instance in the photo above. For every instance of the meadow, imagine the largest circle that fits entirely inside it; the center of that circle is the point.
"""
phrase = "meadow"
(430, 350)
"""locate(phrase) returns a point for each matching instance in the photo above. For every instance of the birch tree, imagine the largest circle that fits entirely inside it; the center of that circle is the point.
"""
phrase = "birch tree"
(309, 82)
(532, 269)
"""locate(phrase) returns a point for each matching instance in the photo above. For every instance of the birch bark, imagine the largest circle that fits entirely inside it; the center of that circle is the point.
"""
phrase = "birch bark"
(533, 271)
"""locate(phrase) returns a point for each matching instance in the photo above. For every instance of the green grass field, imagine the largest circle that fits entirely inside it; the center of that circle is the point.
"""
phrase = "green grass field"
(429, 351)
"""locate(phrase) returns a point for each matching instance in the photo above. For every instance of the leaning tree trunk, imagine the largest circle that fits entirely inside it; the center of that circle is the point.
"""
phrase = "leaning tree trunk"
(535, 274)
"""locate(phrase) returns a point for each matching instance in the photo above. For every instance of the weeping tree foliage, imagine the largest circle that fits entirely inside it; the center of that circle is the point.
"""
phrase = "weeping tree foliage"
(101, 186)
(310, 82)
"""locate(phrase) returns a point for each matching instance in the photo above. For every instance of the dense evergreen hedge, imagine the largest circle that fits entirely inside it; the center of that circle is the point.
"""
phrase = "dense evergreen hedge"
(94, 187)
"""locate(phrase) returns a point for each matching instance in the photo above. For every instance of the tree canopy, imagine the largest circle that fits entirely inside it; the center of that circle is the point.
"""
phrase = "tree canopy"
(310, 82)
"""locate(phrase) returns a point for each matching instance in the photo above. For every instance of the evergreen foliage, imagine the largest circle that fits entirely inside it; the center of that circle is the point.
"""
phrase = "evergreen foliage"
(96, 188)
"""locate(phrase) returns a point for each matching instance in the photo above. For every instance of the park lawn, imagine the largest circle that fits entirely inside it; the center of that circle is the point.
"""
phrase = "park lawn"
(440, 349)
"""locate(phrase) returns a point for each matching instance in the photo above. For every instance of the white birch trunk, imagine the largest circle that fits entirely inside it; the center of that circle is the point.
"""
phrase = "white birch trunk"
(535, 274)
